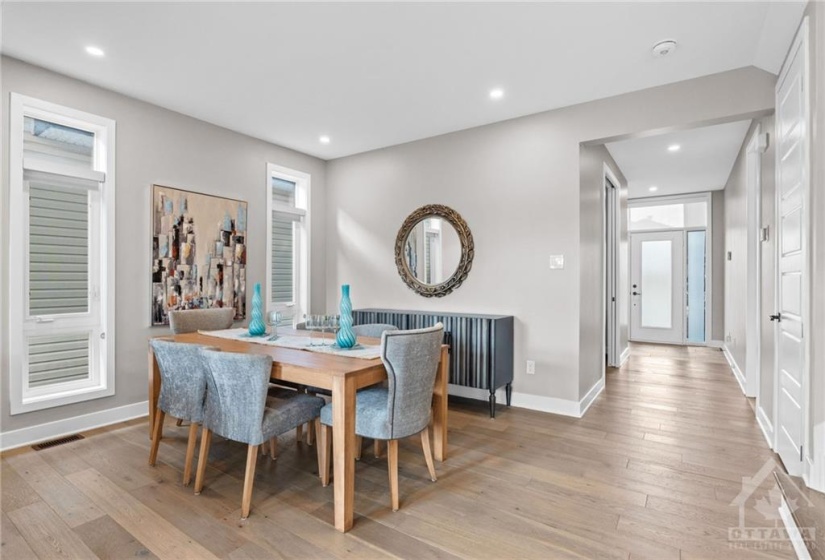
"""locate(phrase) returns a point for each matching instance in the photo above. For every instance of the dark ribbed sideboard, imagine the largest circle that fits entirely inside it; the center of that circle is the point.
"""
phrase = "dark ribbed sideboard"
(481, 346)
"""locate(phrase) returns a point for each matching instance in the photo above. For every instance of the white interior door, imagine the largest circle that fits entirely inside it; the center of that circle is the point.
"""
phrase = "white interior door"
(791, 275)
(657, 287)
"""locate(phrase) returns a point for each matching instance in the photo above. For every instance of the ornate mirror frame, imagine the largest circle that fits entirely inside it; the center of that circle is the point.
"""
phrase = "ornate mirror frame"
(467, 250)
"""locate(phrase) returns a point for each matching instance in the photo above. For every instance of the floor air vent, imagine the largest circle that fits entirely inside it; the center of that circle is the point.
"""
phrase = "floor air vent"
(56, 442)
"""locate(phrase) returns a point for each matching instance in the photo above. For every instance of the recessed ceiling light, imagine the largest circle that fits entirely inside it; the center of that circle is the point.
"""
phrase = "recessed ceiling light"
(653, 189)
(497, 93)
(674, 148)
(95, 51)
(324, 139)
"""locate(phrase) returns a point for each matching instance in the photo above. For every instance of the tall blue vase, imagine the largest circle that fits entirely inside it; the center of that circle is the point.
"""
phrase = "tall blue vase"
(345, 337)
(257, 327)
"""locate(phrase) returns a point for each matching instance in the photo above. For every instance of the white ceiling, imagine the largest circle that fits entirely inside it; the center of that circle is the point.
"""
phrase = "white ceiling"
(376, 74)
(703, 162)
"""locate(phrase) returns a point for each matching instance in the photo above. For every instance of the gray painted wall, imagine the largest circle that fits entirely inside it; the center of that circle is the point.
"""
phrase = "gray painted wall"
(155, 146)
(736, 241)
(517, 183)
(592, 160)
(717, 203)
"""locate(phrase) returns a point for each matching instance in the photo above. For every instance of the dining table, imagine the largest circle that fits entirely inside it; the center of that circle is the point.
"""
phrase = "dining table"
(340, 374)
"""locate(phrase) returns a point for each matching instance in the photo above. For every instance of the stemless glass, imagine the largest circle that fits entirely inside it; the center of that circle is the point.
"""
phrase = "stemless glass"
(273, 319)
(334, 326)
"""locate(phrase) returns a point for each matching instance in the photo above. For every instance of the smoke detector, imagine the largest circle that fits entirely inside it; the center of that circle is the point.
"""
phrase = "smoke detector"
(664, 48)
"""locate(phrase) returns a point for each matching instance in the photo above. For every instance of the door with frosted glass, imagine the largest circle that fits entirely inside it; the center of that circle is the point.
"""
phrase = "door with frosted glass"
(657, 287)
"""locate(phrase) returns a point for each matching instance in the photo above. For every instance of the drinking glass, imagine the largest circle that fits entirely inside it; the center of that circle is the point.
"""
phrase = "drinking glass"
(273, 318)
(334, 327)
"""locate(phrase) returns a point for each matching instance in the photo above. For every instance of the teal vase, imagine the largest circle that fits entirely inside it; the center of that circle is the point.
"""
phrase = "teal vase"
(256, 323)
(345, 337)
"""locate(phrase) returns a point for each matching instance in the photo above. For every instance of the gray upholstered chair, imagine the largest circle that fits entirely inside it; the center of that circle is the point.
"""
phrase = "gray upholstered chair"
(373, 330)
(403, 407)
(237, 408)
(182, 393)
(193, 320)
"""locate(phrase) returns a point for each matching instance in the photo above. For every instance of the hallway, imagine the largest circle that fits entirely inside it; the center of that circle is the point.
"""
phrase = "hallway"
(649, 472)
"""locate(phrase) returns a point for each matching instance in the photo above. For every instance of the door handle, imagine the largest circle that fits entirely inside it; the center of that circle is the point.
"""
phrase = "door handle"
(637, 293)
(777, 317)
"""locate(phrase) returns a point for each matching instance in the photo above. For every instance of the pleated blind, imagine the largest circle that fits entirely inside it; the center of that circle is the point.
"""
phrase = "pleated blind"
(58, 359)
(58, 249)
(283, 257)
(283, 242)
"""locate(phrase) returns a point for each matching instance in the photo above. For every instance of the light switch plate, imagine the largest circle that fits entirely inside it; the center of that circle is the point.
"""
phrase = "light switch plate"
(556, 262)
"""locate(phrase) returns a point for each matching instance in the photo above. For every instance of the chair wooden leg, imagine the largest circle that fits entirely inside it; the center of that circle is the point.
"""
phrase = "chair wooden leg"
(263, 448)
(299, 433)
(310, 433)
(179, 423)
(428, 453)
(376, 448)
(392, 463)
(249, 480)
(157, 433)
(206, 440)
(326, 454)
(273, 448)
(190, 453)
(359, 443)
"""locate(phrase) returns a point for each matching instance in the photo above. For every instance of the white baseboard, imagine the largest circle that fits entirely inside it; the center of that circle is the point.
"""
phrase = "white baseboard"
(59, 428)
(591, 395)
(737, 373)
(553, 405)
(766, 425)
(625, 355)
(794, 534)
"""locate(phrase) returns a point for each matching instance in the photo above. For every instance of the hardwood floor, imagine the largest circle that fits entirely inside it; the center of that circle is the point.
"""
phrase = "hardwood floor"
(649, 472)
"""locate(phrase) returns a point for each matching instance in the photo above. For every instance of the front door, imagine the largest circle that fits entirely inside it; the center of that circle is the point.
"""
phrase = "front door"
(657, 287)
(792, 226)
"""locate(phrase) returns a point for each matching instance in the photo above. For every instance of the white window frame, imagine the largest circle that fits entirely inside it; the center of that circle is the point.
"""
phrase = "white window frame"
(706, 197)
(99, 322)
(302, 259)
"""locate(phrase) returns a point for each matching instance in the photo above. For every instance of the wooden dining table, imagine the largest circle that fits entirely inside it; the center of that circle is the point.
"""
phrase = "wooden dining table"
(341, 375)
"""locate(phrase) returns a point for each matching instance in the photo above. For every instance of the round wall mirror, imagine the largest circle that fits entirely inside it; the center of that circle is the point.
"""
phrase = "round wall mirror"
(434, 250)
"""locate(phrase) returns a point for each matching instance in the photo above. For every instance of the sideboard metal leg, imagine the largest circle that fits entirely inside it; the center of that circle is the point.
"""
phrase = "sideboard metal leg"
(508, 392)
(492, 404)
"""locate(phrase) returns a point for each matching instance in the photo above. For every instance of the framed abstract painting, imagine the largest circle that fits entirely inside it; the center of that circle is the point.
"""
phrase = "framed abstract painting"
(198, 252)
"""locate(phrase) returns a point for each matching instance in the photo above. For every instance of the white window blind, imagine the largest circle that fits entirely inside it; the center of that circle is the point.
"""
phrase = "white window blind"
(58, 249)
(283, 257)
(58, 359)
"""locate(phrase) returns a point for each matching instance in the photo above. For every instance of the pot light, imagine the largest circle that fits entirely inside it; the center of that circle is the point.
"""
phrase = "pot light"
(324, 139)
(497, 93)
(674, 148)
(664, 48)
(95, 51)
(653, 189)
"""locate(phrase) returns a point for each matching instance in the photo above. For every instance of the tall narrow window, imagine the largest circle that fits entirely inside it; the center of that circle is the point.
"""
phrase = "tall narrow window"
(288, 242)
(61, 279)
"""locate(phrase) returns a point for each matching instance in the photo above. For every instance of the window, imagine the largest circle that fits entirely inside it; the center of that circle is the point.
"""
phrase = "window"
(676, 215)
(288, 242)
(61, 279)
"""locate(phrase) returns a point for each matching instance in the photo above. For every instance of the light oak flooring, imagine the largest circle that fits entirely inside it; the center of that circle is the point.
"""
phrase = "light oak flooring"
(649, 472)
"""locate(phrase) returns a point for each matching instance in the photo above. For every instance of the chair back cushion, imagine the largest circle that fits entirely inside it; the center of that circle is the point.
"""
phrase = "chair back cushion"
(373, 330)
(236, 394)
(182, 379)
(193, 320)
(411, 359)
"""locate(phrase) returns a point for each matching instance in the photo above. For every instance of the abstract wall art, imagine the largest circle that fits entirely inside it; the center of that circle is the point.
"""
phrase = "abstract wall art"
(198, 252)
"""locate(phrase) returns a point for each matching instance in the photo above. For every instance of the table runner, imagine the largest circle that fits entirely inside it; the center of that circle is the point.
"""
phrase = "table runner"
(360, 351)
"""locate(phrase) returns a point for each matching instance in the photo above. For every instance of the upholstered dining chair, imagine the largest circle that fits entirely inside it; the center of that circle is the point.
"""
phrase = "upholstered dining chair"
(402, 408)
(373, 330)
(182, 393)
(193, 320)
(236, 409)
